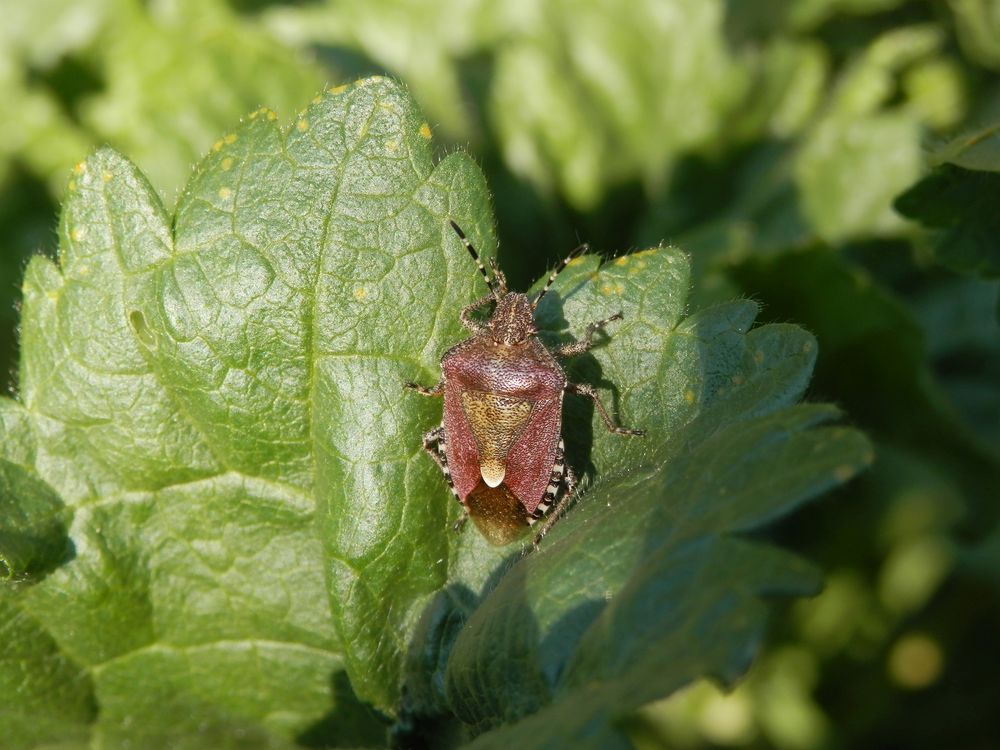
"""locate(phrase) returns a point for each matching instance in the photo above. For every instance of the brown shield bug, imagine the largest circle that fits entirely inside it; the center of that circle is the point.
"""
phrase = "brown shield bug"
(499, 444)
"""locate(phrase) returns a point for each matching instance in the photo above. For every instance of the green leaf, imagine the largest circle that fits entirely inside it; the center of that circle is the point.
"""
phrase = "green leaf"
(875, 362)
(958, 317)
(33, 536)
(960, 202)
(718, 460)
(640, 538)
(172, 378)
(218, 499)
(629, 617)
(862, 152)
(604, 101)
(978, 25)
(159, 83)
(48, 698)
(201, 53)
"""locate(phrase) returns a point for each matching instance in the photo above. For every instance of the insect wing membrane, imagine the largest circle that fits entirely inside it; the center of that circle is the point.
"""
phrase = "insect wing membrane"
(497, 513)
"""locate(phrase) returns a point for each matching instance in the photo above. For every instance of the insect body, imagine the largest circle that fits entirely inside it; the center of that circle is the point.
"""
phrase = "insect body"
(499, 444)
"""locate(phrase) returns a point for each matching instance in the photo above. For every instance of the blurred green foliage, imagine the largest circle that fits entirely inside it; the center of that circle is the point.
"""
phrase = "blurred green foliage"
(835, 160)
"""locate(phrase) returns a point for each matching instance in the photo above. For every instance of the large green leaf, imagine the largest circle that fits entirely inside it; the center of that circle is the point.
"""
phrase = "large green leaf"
(212, 467)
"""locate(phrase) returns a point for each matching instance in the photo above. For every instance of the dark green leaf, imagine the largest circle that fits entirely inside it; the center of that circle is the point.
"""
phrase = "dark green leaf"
(960, 202)
(875, 363)
(963, 206)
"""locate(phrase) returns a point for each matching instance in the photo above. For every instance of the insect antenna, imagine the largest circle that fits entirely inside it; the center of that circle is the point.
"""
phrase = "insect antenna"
(552, 277)
(475, 256)
(501, 280)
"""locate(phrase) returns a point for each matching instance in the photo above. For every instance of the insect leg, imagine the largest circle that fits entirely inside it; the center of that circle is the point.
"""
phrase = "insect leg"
(561, 495)
(557, 480)
(435, 444)
(584, 344)
(435, 390)
(583, 389)
(466, 315)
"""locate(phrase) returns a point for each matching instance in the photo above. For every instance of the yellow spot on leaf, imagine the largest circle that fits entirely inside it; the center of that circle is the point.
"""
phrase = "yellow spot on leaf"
(619, 287)
(606, 289)
(577, 261)
(272, 115)
(231, 138)
(54, 296)
(338, 89)
(71, 186)
(622, 261)
(391, 146)
(360, 293)
(302, 125)
(217, 145)
(106, 176)
(224, 193)
(425, 131)
(78, 234)
(317, 99)
(227, 164)
(689, 396)
(80, 168)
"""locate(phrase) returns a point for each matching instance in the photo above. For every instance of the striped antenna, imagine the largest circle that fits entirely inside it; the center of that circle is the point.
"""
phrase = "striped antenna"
(475, 256)
(552, 277)
(501, 280)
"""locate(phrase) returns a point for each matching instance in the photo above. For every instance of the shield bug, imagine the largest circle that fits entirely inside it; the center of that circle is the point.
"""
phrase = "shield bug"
(499, 444)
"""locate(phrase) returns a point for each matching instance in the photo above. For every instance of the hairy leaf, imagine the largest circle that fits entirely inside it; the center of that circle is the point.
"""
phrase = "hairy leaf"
(215, 502)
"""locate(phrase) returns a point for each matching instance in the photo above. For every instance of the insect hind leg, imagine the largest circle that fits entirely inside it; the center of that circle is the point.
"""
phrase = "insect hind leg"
(562, 486)
(436, 445)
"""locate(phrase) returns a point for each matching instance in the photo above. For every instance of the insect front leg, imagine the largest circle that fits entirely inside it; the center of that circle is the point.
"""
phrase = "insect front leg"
(583, 389)
(435, 444)
(466, 315)
(584, 344)
(435, 390)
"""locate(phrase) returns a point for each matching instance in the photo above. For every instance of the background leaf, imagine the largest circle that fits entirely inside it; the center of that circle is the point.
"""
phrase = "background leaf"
(958, 201)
